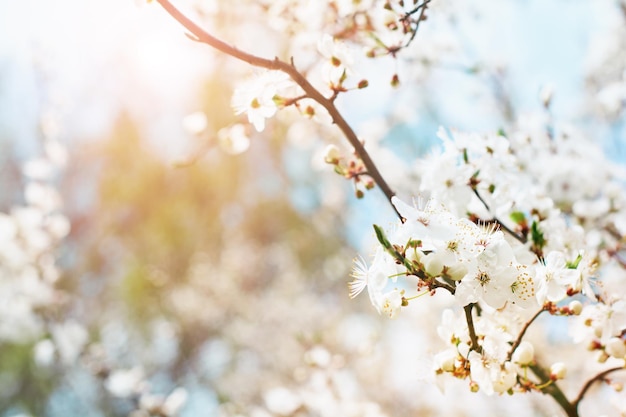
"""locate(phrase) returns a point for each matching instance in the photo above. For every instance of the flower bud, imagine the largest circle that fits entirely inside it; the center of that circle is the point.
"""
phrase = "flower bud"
(558, 371)
(363, 84)
(414, 255)
(395, 80)
(524, 353)
(446, 360)
(433, 264)
(464, 349)
(332, 154)
(576, 307)
(616, 347)
(597, 331)
(457, 272)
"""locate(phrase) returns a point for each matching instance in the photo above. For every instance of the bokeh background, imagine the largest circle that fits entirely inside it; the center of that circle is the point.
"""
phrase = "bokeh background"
(224, 277)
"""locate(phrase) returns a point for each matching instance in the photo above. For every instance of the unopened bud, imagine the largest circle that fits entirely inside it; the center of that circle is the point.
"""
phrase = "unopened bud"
(457, 271)
(395, 80)
(363, 84)
(558, 371)
(616, 347)
(433, 264)
(447, 361)
(414, 255)
(279, 101)
(359, 194)
(594, 345)
(598, 332)
(576, 307)
(474, 386)
(309, 111)
(524, 353)
(332, 154)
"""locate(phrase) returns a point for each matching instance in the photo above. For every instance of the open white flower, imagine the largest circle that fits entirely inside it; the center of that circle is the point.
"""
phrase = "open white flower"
(374, 278)
(553, 278)
(256, 97)
(338, 64)
(391, 303)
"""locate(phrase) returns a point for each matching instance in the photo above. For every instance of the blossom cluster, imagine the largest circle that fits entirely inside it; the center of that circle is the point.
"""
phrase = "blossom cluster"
(509, 236)
(28, 235)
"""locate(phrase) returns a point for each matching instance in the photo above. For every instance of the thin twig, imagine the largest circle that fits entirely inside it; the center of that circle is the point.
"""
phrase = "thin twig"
(417, 23)
(503, 226)
(288, 68)
(416, 9)
(522, 333)
(589, 383)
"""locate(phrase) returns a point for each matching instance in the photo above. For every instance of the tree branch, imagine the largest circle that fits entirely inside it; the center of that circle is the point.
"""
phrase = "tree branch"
(554, 391)
(278, 65)
(522, 333)
(589, 383)
(521, 239)
(470, 326)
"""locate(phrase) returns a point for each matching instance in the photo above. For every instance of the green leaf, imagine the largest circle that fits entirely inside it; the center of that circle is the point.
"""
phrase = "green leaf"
(380, 235)
(574, 264)
(537, 235)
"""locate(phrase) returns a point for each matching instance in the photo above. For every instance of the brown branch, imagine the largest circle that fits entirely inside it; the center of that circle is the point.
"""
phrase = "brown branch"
(470, 326)
(288, 68)
(554, 391)
(589, 383)
(444, 285)
(522, 333)
(520, 238)
(415, 10)
(423, 6)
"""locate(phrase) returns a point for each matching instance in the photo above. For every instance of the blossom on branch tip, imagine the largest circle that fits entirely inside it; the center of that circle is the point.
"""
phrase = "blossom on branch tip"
(558, 371)
(338, 64)
(257, 97)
